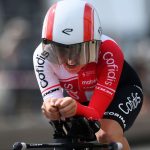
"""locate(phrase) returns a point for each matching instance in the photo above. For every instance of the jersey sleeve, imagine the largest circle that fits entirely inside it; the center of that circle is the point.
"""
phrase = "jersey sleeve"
(47, 80)
(109, 70)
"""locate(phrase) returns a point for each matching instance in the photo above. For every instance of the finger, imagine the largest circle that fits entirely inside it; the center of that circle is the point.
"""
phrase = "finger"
(68, 114)
(52, 109)
(51, 116)
(50, 112)
(44, 113)
(67, 108)
(49, 107)
(51, 101)
(58, 102)
(71, 109)
(55, 116)
(66, 101)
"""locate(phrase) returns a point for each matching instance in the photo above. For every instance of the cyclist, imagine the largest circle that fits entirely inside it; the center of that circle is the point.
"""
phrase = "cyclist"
(74, 56)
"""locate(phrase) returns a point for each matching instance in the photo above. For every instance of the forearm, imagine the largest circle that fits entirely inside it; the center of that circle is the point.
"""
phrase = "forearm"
(88, 112)
(96, 107)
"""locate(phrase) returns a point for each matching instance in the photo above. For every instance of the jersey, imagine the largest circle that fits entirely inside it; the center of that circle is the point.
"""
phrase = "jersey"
(95, 83)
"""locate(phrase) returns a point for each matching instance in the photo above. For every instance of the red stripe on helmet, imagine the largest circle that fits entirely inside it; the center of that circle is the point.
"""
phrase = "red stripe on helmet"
(88, 23)
(49, 23)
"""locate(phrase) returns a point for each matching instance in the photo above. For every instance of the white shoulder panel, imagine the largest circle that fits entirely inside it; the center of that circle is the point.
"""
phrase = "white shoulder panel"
(105, 37)
(47, 79)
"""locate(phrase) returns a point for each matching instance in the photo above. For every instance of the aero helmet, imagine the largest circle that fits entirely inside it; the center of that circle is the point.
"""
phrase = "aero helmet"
(72, 29)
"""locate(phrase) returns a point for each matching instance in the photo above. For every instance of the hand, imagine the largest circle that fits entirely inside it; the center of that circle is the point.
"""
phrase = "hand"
(67, 107)
(50, 110)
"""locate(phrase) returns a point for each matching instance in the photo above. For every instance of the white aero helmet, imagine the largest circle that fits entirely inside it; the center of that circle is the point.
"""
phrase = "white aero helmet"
(72, 30)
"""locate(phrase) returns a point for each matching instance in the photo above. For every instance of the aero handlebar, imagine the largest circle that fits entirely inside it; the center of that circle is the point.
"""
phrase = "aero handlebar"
(25, 146)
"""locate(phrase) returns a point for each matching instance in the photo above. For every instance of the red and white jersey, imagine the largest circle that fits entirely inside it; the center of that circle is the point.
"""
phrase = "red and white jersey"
(95, 82)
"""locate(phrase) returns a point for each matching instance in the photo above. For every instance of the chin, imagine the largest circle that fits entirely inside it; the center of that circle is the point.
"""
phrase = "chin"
(73, 69)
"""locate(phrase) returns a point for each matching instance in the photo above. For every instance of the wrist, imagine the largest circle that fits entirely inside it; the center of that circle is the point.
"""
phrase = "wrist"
(87, 112)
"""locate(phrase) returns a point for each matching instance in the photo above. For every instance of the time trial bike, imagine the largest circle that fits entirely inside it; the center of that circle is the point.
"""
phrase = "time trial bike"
(76, 133)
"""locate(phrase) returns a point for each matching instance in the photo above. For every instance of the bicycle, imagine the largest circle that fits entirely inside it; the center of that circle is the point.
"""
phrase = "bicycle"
(76, 133)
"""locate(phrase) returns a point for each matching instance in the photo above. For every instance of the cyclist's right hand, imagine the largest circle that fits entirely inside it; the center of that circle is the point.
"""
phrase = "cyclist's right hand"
(49, 109)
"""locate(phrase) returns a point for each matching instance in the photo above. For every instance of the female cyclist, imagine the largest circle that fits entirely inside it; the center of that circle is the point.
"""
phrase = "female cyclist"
(74, 56)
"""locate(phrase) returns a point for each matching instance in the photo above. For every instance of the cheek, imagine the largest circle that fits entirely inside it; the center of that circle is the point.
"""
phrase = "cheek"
(62, 59)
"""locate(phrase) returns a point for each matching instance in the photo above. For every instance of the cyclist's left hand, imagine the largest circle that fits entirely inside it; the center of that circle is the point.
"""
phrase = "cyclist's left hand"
(67, 106)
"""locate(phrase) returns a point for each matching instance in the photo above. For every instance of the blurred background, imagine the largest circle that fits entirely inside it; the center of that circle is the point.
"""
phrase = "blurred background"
(128, 22)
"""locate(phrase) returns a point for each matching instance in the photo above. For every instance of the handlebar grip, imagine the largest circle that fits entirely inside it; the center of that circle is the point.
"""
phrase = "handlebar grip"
(19, 146)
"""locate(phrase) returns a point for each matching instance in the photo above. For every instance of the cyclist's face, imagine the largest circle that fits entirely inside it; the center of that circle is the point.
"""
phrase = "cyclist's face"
(69, 56)
(72, 68)
(71, 61)
(74, 56)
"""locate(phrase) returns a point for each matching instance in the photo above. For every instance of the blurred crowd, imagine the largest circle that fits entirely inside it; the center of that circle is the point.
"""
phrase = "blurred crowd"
(20, 33)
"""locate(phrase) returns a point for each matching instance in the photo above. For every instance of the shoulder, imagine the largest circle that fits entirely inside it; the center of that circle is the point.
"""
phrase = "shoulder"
(105, 38)
(109, 49)
(40, 55)
(109, 44)
(38, 50)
